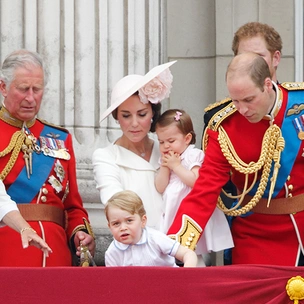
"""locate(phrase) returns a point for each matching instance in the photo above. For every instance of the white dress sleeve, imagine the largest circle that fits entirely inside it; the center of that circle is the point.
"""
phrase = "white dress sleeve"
(6, 203)
(193, 157)
(106, 173)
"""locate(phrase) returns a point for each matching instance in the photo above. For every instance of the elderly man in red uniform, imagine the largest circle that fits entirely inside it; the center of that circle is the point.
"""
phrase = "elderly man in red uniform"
(257, 139)
(37, 166)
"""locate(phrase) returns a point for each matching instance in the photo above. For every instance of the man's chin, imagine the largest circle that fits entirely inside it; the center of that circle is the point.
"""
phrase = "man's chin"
(252, 119)
(26, 117)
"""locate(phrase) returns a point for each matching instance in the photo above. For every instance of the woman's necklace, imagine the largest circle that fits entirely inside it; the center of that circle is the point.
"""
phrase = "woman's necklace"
(143, 153)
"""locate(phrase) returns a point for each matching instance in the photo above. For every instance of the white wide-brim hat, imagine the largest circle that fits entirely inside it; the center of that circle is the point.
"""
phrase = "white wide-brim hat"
(130, 84)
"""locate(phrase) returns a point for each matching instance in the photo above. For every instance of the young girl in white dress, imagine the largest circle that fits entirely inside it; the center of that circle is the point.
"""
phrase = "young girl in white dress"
(180, 164)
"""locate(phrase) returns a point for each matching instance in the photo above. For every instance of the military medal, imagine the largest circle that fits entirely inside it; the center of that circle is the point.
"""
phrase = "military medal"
(55, 183)
(301, 135)
(54, 147)
(59, 170)
(299, 126)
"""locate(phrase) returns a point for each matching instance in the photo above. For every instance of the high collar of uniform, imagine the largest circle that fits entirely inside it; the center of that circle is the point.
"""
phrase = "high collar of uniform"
(8, 118)
(277, 104)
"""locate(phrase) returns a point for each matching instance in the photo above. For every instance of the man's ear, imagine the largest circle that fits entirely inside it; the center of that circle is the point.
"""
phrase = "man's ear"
(276, 58)
(3, 89)
(268, 83)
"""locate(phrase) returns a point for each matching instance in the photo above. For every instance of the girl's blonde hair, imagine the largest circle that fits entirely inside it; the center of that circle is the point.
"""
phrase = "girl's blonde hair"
(126, 200)
(182, 121)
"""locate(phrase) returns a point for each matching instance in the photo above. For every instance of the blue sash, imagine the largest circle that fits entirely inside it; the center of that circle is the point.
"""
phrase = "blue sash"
(292, 146)
(23, 190)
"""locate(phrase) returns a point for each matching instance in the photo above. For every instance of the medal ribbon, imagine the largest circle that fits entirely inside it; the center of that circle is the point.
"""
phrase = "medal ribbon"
(23, 190)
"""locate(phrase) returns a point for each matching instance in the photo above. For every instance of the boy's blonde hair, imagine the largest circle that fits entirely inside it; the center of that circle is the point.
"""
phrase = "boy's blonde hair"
(126, 200)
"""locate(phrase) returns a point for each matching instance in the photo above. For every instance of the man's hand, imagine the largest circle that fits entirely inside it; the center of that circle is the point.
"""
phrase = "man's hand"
(86, 240)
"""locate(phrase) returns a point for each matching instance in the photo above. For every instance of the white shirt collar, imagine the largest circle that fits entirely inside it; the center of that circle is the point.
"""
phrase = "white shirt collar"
(143, 240)
(277, 104)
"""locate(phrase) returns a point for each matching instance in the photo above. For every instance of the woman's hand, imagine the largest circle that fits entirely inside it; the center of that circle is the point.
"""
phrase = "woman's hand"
(30, 237)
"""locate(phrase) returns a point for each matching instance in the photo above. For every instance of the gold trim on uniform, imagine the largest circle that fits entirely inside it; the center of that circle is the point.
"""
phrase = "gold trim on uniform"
(78, 228)
(52, 125)
(217, 119)
(6, 117)
(221, 115)
(189, 233)
(295, 109)
(291, 86)
(22, 140)
(216, 104)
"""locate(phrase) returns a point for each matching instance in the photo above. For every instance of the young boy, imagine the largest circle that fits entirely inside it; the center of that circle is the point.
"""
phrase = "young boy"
(135, 244)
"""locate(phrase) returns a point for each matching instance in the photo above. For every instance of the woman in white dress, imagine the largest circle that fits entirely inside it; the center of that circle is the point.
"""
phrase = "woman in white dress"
(130, 163)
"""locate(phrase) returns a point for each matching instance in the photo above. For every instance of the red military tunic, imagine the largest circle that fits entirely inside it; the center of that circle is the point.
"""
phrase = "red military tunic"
(258, 238)
(52, 182)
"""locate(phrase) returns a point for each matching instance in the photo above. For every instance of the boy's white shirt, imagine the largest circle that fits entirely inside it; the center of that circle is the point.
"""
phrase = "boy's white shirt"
(153, 249)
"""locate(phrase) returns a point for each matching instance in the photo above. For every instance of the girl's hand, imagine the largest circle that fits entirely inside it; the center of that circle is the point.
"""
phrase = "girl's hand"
(171, 160)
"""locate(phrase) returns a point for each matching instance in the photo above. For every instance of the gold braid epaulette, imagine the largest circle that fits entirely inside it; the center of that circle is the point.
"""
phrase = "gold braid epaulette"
(52, 125)
(217, 118)
(292, 86)
(216, 104)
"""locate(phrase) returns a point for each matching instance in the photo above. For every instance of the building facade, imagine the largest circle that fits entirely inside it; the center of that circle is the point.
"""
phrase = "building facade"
(90, 44)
